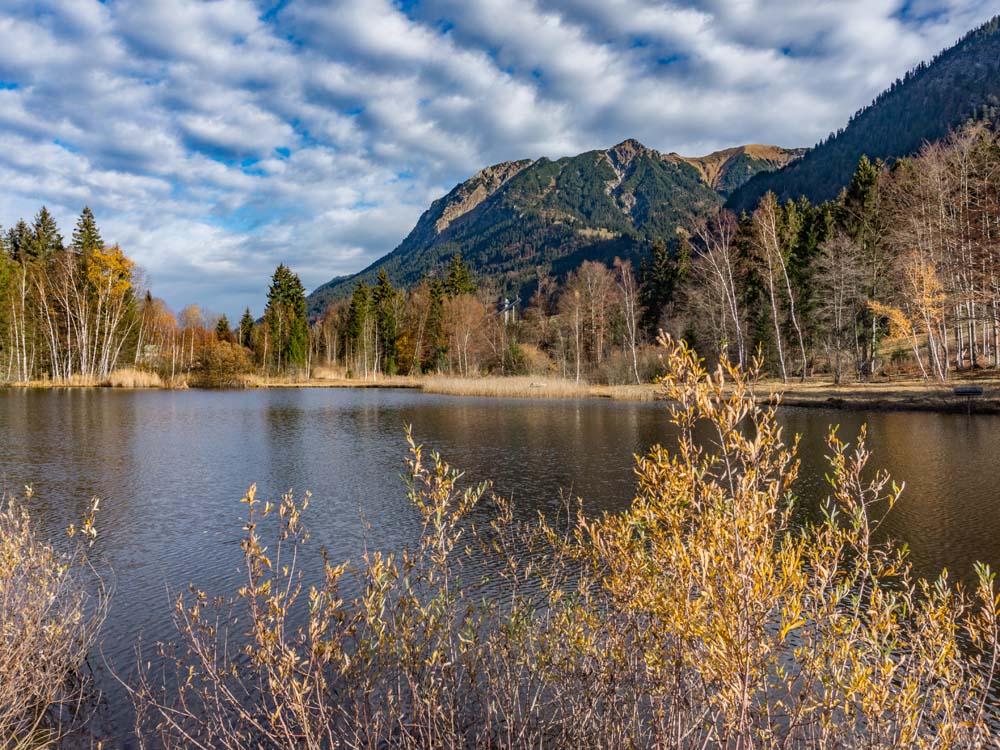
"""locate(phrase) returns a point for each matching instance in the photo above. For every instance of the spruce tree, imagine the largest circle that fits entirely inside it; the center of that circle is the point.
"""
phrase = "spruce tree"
(246, 329)
(358, 311)
(659, 279)
(286, 318)
(384, 299)
(86, 236)
(459, 280)
(45, 238)
(18, 240)
(436, 341)
(222, 332)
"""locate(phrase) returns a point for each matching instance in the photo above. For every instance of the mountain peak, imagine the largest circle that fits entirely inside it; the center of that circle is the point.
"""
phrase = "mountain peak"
(726, 170)
(623, 154)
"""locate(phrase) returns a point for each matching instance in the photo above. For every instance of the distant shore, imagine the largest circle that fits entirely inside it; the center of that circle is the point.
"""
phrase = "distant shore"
(887, 395)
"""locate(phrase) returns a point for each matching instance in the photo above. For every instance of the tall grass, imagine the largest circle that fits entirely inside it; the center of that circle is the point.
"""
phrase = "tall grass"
(130, 378)
(533, 387)
(51, 608)
(703, 617)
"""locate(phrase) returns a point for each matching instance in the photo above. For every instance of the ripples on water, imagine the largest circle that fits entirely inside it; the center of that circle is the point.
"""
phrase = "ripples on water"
(170, 468)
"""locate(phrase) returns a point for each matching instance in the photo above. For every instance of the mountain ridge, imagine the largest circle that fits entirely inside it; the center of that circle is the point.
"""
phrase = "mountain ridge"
(600, 202)
(959, 84)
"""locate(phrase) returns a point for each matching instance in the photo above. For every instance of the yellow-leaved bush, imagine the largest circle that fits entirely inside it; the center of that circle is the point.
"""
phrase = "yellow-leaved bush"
(705, 616)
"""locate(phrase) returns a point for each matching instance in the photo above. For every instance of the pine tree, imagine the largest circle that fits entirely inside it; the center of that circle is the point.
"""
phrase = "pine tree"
(18, 240)
(246, 330)
(436, 341)
(659, 280)
(222, 332)
(459, 280)
(384, 299)
(358, 314)
(285, 316)
(86, 236)
(45, 238)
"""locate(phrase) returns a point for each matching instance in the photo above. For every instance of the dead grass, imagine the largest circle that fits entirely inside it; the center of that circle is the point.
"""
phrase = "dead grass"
(534, 387)
(904, 393)
(126, 377)
(131, 378)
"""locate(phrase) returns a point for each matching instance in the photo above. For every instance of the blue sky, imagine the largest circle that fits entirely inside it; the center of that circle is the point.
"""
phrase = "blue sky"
(214, 140)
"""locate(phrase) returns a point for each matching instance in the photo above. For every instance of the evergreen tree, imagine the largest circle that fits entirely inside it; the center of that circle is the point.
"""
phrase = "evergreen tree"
(285, 317)
(86, 236)
(358, 327)
(436, 346)
(384, 298)
(222, 332)
(45, 238)
(859, 216)
(357, 313)
(459, 280)
(246, 329)
(659, 280)
(18, 240)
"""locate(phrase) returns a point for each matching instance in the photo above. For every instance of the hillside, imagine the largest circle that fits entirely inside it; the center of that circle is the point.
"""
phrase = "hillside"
(961, 83)
(515, 220)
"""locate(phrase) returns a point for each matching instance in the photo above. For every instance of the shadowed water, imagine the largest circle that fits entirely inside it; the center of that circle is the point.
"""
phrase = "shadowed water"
(170, 468)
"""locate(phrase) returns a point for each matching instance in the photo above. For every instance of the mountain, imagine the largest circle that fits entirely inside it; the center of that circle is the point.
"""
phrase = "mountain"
(515, 220)
(960, 84)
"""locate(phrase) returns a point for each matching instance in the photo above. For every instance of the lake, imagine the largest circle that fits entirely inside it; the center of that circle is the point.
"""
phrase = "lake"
(171, 466)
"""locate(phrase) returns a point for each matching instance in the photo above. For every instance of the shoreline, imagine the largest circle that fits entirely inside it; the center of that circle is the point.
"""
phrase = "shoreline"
(902, 395)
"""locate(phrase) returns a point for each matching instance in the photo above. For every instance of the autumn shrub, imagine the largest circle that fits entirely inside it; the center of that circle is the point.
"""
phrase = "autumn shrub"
(708, 615)
(51, 608)
(222, 364)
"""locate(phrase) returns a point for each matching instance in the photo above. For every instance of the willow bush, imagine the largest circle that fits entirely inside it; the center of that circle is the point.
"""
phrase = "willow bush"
(52, 605)
(702, 617)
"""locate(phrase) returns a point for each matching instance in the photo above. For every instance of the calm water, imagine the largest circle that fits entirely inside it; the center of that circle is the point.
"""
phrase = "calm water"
(170, 468)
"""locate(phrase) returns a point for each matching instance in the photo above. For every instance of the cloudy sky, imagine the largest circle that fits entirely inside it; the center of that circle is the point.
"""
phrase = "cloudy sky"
(216, 139)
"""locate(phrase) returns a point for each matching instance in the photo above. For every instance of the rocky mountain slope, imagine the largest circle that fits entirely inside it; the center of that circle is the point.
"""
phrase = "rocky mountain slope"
(516, 220)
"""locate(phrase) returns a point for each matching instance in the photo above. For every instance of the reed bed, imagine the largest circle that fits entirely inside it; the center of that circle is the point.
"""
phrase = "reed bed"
(132, 378)
(533, 387)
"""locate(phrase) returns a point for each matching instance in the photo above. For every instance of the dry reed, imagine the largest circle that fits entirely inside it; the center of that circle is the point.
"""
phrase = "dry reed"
(132, 378)
(51, 608)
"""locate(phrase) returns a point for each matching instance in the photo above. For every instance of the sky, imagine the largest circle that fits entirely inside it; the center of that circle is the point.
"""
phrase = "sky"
(214, 140)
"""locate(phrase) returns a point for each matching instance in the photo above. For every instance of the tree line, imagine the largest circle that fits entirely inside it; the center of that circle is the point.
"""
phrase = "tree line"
(899, 274)
(79, 312)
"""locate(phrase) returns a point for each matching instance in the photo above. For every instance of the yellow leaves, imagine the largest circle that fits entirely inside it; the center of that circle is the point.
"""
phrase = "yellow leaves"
(109, 272)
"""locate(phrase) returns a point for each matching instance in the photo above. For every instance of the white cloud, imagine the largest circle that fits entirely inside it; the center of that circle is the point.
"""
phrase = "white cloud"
(214, 139)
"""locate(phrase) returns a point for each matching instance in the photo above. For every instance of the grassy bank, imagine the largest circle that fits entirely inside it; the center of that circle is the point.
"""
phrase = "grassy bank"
(891, 395)
(123, 378)
(906, 394)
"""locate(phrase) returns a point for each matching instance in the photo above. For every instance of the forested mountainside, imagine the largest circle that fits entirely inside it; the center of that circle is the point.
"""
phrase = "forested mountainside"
(960, 84)
(514, 220)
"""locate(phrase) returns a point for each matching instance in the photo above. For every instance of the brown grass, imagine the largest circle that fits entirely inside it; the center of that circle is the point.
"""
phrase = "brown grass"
(125, 377)
(131, 378)
(534, 387)
(905, 393)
